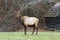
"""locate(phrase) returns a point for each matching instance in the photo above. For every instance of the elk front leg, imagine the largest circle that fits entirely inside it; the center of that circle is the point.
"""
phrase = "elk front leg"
(25, 29)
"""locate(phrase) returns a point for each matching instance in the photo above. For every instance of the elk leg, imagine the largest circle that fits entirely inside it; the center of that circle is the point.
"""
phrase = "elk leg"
(25, 29)
(36, 25)
(36, 31)
(33, 30)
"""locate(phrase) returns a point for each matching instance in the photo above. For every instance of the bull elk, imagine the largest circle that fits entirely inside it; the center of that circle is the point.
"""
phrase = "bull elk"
(28, 21)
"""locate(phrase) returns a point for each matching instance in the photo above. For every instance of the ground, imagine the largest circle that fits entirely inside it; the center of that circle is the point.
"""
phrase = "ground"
(21, 36)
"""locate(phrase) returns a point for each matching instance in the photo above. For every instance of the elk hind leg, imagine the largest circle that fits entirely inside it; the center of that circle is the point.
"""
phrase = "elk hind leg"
(33, 30)
(36, 25)
(36, 30)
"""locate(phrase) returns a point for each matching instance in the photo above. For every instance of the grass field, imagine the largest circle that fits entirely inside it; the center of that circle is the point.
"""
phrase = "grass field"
(21, 36)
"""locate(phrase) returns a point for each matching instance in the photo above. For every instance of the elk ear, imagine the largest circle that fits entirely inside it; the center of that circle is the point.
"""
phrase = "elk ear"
(18, 11)
(15, 12)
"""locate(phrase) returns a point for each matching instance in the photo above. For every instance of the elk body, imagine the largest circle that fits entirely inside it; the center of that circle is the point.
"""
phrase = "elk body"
(28, 21)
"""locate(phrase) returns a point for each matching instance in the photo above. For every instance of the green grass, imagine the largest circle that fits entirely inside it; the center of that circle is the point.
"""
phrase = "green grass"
(21, 36)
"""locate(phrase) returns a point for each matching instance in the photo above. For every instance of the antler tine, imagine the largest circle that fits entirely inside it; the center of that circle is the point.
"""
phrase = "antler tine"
(22, 8)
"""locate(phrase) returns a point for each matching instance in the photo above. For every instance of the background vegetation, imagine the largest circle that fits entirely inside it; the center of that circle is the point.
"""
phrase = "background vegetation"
(35, 8)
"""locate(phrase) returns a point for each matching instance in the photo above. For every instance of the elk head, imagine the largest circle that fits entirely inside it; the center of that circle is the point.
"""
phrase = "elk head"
(18, 13)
